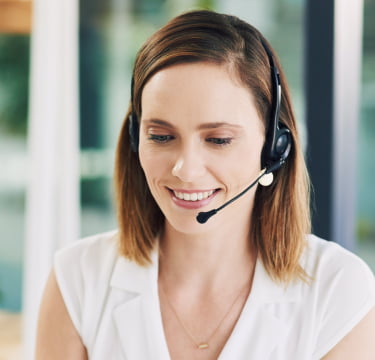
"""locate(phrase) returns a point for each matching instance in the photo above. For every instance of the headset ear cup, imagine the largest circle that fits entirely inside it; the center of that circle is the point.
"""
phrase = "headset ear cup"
(274, 154)
(283, 143)
(134, 132)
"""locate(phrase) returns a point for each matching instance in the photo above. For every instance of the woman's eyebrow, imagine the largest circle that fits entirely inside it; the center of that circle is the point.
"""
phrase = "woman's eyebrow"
(215, 125)
(158, 122)
(208, 125)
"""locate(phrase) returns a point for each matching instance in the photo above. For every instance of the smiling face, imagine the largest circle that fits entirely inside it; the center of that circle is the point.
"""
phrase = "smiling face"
(200, 144)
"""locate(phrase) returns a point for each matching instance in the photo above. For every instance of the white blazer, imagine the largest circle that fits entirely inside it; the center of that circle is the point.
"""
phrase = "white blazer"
(115, 307)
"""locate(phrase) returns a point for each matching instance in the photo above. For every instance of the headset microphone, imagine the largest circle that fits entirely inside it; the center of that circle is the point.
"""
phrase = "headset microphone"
(202, 217)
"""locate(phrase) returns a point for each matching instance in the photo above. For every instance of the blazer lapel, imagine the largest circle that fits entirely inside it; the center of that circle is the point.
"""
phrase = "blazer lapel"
(137, 317)
(260, 329)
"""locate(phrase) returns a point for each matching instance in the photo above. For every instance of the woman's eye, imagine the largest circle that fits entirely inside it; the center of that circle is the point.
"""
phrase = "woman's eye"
(161, 139)
(219, 141)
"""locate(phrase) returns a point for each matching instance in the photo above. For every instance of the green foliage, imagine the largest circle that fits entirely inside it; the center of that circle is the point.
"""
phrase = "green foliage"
(206, 4)
(365, 230)
(14, 81)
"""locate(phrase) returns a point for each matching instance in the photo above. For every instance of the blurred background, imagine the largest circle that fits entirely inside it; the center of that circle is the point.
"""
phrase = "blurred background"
(105, 37)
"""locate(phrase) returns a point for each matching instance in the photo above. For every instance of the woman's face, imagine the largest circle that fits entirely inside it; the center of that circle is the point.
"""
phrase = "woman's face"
(200, 144)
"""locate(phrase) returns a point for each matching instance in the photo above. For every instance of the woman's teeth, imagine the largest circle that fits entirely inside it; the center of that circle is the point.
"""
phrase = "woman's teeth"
(193, 196)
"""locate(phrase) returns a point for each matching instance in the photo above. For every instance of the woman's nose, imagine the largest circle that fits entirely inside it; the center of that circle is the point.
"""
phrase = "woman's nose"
(189, 165)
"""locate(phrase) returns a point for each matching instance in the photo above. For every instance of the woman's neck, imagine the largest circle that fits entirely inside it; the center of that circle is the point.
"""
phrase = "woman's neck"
(204, 262)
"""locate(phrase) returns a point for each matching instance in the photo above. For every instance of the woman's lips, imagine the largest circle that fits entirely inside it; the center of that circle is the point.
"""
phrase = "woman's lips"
(192, 199)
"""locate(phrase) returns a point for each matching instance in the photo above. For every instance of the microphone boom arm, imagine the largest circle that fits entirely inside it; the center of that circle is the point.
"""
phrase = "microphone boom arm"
(202, 217)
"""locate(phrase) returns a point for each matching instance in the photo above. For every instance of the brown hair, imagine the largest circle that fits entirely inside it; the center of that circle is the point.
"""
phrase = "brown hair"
(281, 214)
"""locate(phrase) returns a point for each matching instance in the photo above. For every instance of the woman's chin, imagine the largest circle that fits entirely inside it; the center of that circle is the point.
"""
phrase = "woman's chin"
(187, 224)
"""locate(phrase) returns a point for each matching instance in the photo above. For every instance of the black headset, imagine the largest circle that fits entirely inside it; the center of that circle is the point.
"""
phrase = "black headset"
(278, 141)
(278, 137)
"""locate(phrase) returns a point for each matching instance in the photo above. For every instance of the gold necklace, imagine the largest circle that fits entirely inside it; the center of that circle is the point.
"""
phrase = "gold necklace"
(202, 344)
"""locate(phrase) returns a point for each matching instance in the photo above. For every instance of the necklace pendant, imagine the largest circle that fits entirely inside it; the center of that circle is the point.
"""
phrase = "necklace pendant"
(203, 346)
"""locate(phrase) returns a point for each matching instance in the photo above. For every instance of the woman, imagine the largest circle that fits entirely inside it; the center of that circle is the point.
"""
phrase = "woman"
(195, 272)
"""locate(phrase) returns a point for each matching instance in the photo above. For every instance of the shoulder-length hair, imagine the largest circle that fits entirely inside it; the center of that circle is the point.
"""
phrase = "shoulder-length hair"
(281, 213)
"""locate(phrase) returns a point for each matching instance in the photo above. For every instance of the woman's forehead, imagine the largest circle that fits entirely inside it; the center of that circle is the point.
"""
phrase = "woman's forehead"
(196, 90)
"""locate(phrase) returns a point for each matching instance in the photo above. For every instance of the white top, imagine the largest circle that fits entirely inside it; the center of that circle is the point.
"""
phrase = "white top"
(114, 304)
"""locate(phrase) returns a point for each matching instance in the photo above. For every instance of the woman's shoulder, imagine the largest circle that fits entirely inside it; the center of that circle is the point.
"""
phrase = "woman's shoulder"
(86, 263)
(332, 266)
(341, 290)
(83, 270)
(322, 258)
(94, 249)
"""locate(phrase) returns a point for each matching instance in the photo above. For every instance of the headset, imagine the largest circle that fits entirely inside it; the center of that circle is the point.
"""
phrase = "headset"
(278, 141)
